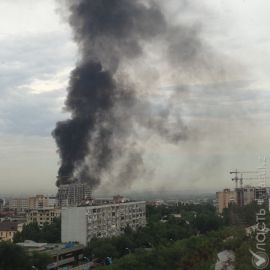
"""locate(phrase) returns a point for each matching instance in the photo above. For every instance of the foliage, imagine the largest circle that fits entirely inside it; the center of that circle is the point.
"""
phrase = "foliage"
(13, 257)
(197, 252)
(162, 229)
(50, 233)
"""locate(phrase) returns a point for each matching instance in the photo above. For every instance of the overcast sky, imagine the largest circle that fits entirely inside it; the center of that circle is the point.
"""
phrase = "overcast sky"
(231, 116)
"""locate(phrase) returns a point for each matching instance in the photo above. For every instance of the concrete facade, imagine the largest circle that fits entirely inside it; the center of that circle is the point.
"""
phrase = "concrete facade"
(19, 205)
(41, 201)
(73, 194)
(224, 198)
(83, 223)
(42, 216)
(8, 230)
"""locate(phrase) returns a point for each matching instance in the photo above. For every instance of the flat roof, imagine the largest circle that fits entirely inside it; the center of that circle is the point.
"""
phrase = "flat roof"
(105, 205)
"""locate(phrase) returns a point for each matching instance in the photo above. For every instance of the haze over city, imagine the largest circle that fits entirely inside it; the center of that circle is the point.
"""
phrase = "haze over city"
(224, 112)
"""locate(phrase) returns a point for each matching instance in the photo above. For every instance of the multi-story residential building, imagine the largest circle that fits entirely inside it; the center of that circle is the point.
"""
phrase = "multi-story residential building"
(42, 216)
(52, 201)
(8, 230)
(248, 194)
(73, 194)
(38, 202)
(82, 223)
(224, 198)
(42, 201)
(241, 196)
(19, 205)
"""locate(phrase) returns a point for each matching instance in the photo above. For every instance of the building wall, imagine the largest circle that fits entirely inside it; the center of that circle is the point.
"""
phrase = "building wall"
(249, 195)
(42, 216)
(224, 198)
(74, 225)
(37, 202)
(8, 230)
(73, 194)
(7, 235)
(83, 223)
(19, 204)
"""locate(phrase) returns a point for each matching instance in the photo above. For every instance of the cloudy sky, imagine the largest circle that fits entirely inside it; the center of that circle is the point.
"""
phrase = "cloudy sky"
(229, 116)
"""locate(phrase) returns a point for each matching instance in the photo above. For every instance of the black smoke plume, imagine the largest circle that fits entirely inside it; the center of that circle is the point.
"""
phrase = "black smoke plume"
(106, 110)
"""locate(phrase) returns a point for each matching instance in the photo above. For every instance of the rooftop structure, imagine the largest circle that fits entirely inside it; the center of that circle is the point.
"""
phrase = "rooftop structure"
(82, 223)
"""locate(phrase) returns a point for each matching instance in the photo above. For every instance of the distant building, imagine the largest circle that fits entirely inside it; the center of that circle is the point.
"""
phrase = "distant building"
(242, 196)
(224, 198)
(63, 256)
(8, 230)
(42, 216)
(41, 201)
(73, 194)
(19, 205)
(245, 195)
(2, 204)
(81, 224)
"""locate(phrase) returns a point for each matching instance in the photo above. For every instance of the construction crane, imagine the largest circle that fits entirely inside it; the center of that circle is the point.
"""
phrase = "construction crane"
(238, 176)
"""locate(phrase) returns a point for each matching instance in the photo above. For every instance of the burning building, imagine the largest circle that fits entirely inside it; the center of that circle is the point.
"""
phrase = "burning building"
(106, 106)
(73, 194)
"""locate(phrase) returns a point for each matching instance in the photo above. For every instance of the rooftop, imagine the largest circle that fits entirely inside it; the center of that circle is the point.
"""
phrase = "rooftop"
(8, 226)
(52, 249)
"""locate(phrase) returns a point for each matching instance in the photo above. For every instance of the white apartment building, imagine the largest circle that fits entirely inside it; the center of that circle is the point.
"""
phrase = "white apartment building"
(81, 224)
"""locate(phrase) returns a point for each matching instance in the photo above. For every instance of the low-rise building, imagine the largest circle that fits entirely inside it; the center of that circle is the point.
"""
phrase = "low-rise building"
(8, 230)
(63, 256)
(83, 223)
(42, 216)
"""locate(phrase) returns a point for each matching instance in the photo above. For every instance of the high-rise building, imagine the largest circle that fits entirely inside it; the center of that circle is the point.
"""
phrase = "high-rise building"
(224, 198)
(73, 194)
(81, 224)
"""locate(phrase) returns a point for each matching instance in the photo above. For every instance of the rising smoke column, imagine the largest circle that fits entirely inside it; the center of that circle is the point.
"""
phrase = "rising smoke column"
(103, 109)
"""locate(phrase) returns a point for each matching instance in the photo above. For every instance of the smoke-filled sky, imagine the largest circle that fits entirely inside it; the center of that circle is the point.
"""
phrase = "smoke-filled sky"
(220, 97)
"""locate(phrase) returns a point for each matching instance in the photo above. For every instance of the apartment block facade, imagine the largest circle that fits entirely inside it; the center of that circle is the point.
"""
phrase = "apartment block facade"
(81, 224)
(42, 216)
(20, 205)
(73, 194)
(224, 198)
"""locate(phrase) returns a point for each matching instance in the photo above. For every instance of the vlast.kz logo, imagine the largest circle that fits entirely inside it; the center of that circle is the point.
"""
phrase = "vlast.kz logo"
(260, 260)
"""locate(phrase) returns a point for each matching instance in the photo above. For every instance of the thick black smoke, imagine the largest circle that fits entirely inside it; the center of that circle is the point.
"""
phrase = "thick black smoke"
(104, 109)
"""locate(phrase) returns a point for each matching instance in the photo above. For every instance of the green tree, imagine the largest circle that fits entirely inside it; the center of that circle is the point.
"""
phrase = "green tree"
(50, 233)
